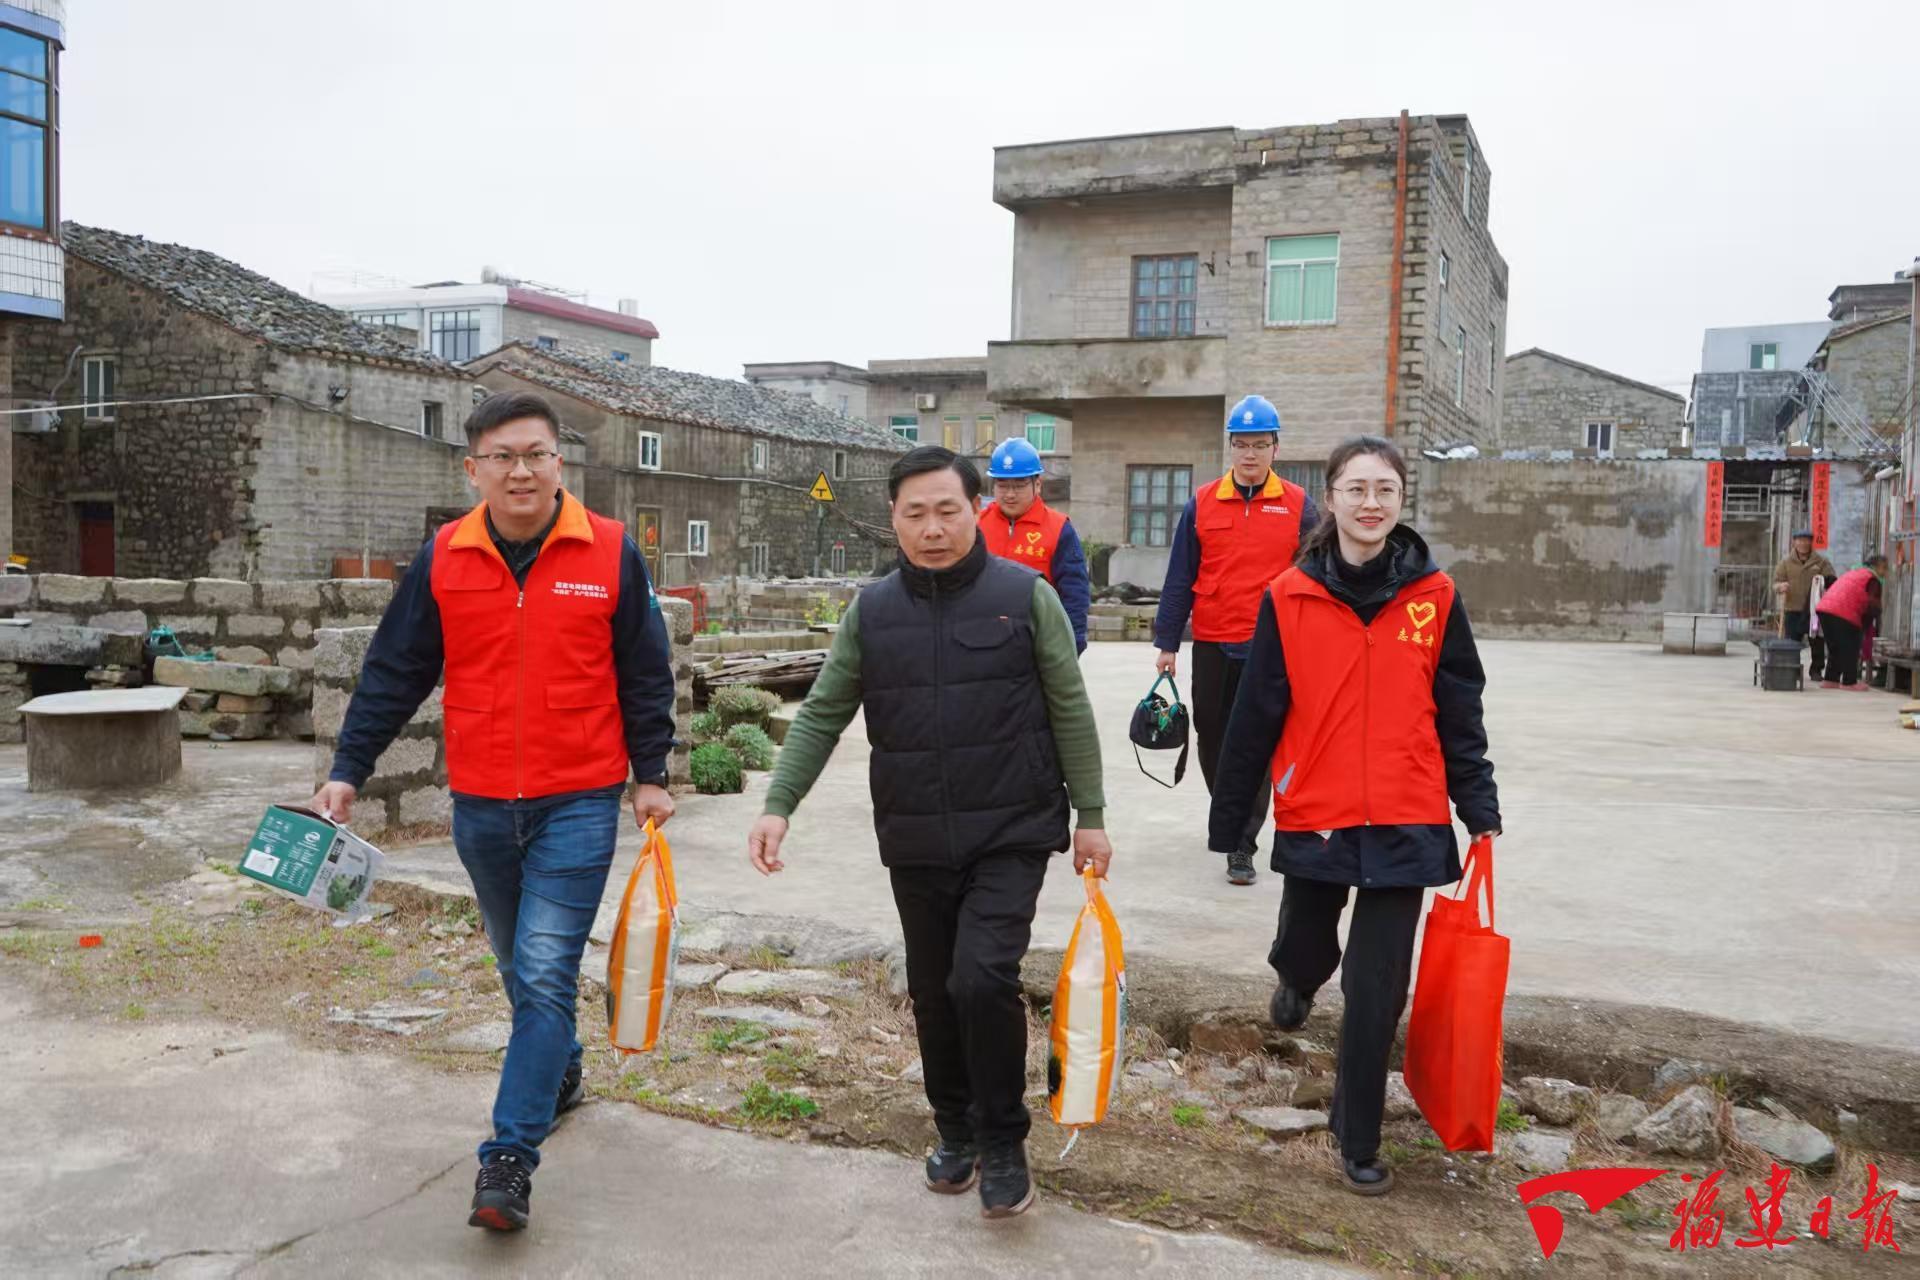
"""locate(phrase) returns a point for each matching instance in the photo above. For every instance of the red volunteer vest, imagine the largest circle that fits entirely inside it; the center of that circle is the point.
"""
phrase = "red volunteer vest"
(1243, 545)
(531, 703)
(1028, 541)
(1360, 747)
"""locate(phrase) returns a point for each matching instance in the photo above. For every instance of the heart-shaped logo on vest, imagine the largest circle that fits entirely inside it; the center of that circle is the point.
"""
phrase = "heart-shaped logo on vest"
(1033, 535)
(1421, 612)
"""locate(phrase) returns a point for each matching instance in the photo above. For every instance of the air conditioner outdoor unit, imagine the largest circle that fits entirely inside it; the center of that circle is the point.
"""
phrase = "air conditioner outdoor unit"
(43, 420)
(929, 403)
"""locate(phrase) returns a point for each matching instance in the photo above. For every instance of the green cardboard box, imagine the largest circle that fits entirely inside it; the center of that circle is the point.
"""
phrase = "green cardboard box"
(303, 855)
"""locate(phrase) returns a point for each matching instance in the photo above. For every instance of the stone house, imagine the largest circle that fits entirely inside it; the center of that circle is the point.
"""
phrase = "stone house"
(1344, 271)
(712, 476)
(840, 387)
(225, 426)
(1551, 402)
(1865, 364)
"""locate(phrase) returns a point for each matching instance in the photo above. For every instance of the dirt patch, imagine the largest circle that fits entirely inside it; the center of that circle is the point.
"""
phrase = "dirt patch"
(1170, 1153)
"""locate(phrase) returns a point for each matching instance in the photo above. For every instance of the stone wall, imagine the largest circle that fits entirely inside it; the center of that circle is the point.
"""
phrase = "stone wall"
(756, 604)
(573, 335)
(176, 475)
(1869, 367)
(274, 622)
(1452, 394)
(408, 788)
(1171, 432)
(1548, 402)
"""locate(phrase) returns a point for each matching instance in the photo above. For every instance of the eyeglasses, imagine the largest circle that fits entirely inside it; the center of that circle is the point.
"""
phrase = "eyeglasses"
(504, 461)
(1249, 446)
(1387, 491)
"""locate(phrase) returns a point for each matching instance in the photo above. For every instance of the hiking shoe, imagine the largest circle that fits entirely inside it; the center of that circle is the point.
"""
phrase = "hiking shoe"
(500, 1193)
(1366, 1177)
(952, 1167)
(1240, 867)
(573, 1091)
(1006, 1188)
(1288, 1008)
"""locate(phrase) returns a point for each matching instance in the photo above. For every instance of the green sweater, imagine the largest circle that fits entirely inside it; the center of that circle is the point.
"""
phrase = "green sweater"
(836, 696)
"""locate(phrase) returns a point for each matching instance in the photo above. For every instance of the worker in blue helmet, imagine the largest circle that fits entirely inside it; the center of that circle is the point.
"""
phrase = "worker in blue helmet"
(1235, 536)
(1018, 525)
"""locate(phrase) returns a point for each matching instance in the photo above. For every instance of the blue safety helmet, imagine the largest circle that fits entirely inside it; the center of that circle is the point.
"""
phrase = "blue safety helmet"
(1254, 414)
(1014, 459)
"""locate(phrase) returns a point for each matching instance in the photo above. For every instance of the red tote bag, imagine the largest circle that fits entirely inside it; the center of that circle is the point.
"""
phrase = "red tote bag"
(1453, 1038)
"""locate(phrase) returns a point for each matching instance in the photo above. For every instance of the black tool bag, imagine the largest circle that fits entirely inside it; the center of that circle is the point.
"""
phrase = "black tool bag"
(1159, 725)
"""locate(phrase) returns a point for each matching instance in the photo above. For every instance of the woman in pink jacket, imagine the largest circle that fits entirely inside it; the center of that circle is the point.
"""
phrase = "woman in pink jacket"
(1847, 610)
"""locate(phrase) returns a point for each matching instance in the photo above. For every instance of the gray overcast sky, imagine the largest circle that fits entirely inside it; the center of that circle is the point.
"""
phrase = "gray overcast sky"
(813, 181)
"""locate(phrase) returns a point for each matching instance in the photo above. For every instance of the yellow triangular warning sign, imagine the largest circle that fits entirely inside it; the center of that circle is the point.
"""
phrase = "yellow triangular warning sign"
(821, 491)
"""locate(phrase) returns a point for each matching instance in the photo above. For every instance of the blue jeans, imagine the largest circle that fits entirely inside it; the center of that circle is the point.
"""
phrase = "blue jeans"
(538, 868)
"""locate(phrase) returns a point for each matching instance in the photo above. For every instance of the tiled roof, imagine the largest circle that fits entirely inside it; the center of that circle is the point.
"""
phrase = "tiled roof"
(672, 395)
(243, 300)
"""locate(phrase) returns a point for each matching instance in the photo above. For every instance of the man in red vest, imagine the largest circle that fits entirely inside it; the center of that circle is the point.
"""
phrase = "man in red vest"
(1018, 525)
(1234, 537)
(559, 683)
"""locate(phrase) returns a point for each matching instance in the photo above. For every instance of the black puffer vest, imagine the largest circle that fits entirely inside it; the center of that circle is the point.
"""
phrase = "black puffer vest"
(963, 762)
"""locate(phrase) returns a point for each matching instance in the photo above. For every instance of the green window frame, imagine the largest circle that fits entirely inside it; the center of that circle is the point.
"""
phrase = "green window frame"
(905, 425)
(1763, 355)
(1040, 431)
(1303, 279)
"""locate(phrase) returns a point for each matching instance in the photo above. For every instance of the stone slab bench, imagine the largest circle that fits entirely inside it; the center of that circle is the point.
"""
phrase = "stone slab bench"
(114, 738)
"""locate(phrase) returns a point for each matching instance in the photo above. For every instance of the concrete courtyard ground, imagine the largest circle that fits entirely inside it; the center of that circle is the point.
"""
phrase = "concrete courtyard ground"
(1676, 837)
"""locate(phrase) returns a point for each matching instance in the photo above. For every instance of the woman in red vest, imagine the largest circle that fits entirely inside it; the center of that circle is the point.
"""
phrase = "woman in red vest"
(1848, 609)
(1362, 694)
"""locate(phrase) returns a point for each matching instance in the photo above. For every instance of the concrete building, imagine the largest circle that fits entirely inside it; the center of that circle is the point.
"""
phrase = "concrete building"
(1865, 367)
(1551, 402)
(942, 400)
(257, 435)
(33, 276)
(712, 476)
(459, 322)
(1744, 392)
(1854, 302)
(836, 386)
(1345, 271)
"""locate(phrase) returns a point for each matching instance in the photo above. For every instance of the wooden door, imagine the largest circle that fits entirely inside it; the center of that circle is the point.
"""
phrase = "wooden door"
(95, 525)
(646, 532)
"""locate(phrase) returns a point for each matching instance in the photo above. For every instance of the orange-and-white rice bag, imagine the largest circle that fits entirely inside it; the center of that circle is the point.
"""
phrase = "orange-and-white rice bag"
(1089, 1017)
(646, 943)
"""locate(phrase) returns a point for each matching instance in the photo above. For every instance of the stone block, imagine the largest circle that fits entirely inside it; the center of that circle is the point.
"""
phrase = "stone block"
(53, 644)
(224, 594)
(296, 658)
(122, 622)
(201, 627)
(338, 652)
(16, 591)
(245, 654)
(329, 711)
(407, 755)
(243, 728)
(195, 701)
(302, 629)
(149, 591)
(67, 588)
(303, 596)
(426, 804)
(256, 626)
(222, 677)
(362, 595)
(296, 724)
(13, 696)
(240, 702)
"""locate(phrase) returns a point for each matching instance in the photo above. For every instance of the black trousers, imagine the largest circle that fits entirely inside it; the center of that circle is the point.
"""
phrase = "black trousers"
(1843, 649)
(1374, 977)
(966, 933)
(1216, 681)
(1797, 620)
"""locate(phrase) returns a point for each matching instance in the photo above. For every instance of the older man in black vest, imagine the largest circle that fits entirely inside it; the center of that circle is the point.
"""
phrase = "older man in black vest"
(982, 738)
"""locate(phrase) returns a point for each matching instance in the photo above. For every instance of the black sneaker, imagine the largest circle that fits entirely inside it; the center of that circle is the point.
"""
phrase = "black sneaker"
(573, 1091)
(952, 1167)
(500, 1194)
(1006, 1188)
(1288, 1008)
(1240, 867)
(1366, 1177)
